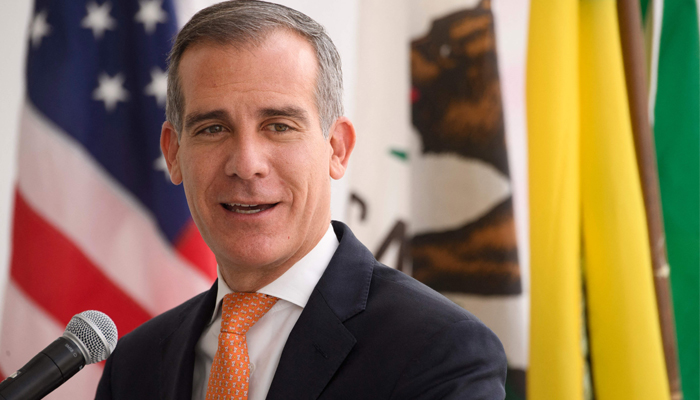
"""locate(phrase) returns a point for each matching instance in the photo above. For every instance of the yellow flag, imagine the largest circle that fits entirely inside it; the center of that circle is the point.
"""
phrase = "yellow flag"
(555, 371)
(625, 339)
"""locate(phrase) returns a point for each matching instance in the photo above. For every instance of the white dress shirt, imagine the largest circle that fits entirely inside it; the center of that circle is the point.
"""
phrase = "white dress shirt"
(267, 337)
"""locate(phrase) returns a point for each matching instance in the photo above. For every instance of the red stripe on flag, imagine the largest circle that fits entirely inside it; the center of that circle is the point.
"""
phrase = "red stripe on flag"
(60, 278)
(193, 248)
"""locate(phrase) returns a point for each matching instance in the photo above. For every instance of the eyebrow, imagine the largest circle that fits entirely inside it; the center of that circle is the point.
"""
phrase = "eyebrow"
(289, 111)
(195, 118)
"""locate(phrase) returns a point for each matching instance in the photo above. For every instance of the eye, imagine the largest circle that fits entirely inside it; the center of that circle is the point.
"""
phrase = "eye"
(278, 127)
(445, 50)
(211, 130)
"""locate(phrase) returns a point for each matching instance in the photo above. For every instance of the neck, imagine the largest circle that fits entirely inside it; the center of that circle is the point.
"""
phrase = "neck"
(249, 282)
(253, 278)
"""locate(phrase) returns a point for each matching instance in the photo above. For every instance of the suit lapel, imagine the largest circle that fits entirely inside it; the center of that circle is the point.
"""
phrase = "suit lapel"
(177, 348)
(319, 342)
(315, 349)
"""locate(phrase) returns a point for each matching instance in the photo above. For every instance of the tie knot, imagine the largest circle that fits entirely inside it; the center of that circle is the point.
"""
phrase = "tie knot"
(240, 311)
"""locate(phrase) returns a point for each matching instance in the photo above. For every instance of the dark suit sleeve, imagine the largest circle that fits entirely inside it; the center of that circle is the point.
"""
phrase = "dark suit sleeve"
(463, 361)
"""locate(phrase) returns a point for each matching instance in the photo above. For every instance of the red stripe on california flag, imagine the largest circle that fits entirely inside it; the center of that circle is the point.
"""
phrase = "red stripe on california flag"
(193, 248)
(58, 276)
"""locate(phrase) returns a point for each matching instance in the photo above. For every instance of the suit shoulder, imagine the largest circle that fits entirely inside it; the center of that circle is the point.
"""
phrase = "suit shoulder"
(402, 291)
(159, 327)
(130, 372)
(441, 336)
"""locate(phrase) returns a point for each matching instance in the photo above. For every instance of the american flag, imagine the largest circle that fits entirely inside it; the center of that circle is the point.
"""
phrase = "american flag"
(97, 223)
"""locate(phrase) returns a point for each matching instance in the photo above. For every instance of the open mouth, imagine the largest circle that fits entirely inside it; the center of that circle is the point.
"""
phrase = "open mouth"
(247, 208)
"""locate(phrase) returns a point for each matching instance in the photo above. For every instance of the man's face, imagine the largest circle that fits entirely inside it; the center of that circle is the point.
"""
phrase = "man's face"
(252, 157)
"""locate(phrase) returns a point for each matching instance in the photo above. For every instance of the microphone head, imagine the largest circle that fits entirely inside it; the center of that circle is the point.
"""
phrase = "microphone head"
(94, 333)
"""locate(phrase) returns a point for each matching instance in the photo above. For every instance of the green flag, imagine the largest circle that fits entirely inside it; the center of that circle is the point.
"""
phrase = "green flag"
(677, 135)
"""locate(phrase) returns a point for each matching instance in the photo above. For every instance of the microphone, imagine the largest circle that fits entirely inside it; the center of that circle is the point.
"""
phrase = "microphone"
(90, 337)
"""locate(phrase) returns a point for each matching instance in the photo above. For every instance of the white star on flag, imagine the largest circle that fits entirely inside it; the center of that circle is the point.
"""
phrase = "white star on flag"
(150, 13)
(158, 86)
(160, 165)
(39, 28)
(110, 91)
(98, 19)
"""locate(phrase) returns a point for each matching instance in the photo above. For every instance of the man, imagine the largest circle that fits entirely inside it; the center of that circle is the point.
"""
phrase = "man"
(301, 310)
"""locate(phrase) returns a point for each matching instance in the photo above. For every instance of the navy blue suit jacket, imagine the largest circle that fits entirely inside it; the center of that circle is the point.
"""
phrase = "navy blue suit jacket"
(367, 332)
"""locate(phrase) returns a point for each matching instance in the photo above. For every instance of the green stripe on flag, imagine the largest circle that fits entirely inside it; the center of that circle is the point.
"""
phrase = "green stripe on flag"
(512, 394)
(401, 154)
(677, 136)
(644, 6)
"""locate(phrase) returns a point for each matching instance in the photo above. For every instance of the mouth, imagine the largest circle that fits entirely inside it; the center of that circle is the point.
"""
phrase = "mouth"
(247, 208)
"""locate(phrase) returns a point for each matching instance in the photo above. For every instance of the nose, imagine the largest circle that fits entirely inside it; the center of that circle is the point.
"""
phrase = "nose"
(247, 156)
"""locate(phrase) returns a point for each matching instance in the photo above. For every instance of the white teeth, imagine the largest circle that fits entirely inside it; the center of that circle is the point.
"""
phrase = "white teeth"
(247, 211)
(235, 207)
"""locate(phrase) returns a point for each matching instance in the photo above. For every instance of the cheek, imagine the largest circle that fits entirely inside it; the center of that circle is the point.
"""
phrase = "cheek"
(304, 168)
(197, 171)
(317, 173)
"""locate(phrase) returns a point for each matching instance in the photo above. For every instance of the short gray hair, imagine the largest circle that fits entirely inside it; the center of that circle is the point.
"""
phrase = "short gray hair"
(249, 22)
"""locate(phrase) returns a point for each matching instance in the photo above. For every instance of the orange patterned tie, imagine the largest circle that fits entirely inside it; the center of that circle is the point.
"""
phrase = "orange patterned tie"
(228, 378)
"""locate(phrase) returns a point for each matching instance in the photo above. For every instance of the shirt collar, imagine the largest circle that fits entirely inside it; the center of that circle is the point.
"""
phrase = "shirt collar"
(297, 283)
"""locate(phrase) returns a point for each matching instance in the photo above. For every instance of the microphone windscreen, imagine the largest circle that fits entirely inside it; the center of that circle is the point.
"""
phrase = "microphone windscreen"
(95, 333)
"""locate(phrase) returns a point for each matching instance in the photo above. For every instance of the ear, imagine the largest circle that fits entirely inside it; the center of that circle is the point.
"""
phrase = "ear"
(169, 145)
(342, 141)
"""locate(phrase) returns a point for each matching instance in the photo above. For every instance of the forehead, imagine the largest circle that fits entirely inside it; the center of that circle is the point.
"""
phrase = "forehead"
(284, 64)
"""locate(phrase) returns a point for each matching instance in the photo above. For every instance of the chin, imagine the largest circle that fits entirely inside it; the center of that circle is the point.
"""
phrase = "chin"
(256, 254)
